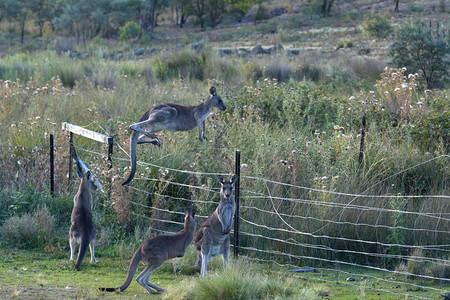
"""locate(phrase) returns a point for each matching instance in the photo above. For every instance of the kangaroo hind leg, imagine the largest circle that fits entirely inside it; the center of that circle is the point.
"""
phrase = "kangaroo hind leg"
(91, 247)
(138, 127)
(205, 252)
(72, 248)
(143, 279)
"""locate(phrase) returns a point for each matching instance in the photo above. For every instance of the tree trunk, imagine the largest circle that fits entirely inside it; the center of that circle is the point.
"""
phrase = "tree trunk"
(22, 25)
(330, 3)
(326, 7)
(149, 21)
(182, 17)
(41, 27)
(22, 30)
(396, 6)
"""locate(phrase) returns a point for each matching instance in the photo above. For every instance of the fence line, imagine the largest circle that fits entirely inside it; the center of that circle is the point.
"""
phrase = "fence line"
(428, 247)
(344, 222)
(172, 197)
(286, 265)
(351, 264)
(326, 248)
(343, 205)
(258, 229)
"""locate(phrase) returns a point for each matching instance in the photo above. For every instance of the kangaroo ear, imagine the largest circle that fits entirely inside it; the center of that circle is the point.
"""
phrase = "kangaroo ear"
(88, 175)
(221, 179)
(80, 172)
(212, 91)
(187, 211)
(234, 179)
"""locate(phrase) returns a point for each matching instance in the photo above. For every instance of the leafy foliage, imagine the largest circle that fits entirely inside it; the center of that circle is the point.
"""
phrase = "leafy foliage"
(422, 49)
(129, 31)
(434, 127)
(377, 25)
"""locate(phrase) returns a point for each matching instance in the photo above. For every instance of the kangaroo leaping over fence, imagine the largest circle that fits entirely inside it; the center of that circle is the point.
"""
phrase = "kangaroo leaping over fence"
(171, 117)
(153, 252)
(213, 237)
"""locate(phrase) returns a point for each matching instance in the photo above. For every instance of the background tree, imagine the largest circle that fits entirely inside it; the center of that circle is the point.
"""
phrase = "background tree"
(216, 10)
(181, 12)
(420, 48)
(75, 19)
(22, 14)
(9, 10)
(41, 11)
(148, 20)
(197, 8)
(160, 7)
(239, 7)
(396, 5)
(326, 7)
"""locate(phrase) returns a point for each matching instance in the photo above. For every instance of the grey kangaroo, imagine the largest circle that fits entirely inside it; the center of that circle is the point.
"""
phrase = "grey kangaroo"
(213, 237)
(153, 252)
(171, 117)
(83, 229)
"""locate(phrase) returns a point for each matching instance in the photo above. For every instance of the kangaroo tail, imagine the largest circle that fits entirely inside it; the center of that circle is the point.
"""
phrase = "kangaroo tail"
(131, 270)
(133, 143)
(84, 244)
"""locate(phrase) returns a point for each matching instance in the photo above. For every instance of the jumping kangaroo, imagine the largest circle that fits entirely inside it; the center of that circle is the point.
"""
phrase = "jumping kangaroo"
(213, 236)
(153, 252)
(171, 117)
(83, 229)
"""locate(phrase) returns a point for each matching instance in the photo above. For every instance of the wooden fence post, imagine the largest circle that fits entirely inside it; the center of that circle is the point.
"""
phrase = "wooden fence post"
(236, 199)
(52, 166)
(70, 158)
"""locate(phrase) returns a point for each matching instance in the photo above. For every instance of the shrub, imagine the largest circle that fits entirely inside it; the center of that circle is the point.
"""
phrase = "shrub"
(129, 31)
(309, 72)
(363, 51)
(421, 49)
(377, 25)
(418, 264)
(280, 70)
(183, 64)
(268, 27)
(106, 78)
(312, 10)
(239, 280)
(434, 126)
(397, 94)
(30, 230)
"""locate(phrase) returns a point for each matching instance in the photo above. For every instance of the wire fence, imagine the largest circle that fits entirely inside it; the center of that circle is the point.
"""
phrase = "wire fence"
(375, 238)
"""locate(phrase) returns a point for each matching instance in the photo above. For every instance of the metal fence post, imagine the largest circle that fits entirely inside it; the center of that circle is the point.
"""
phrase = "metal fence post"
(52, 166)
(110, 151)
(363, 137)
(236, 199)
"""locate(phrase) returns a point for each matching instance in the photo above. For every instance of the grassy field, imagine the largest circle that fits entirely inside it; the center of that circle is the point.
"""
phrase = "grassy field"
(38, 275)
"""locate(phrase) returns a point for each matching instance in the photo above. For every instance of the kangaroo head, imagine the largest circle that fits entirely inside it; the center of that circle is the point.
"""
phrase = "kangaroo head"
(216, 100)
(190, 220)
(227, 186)
(87, 179)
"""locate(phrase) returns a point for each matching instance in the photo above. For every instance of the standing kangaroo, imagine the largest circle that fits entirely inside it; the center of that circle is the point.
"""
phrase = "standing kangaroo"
(213, 237)
(171, 117)
(83, 229)
(153, 252)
